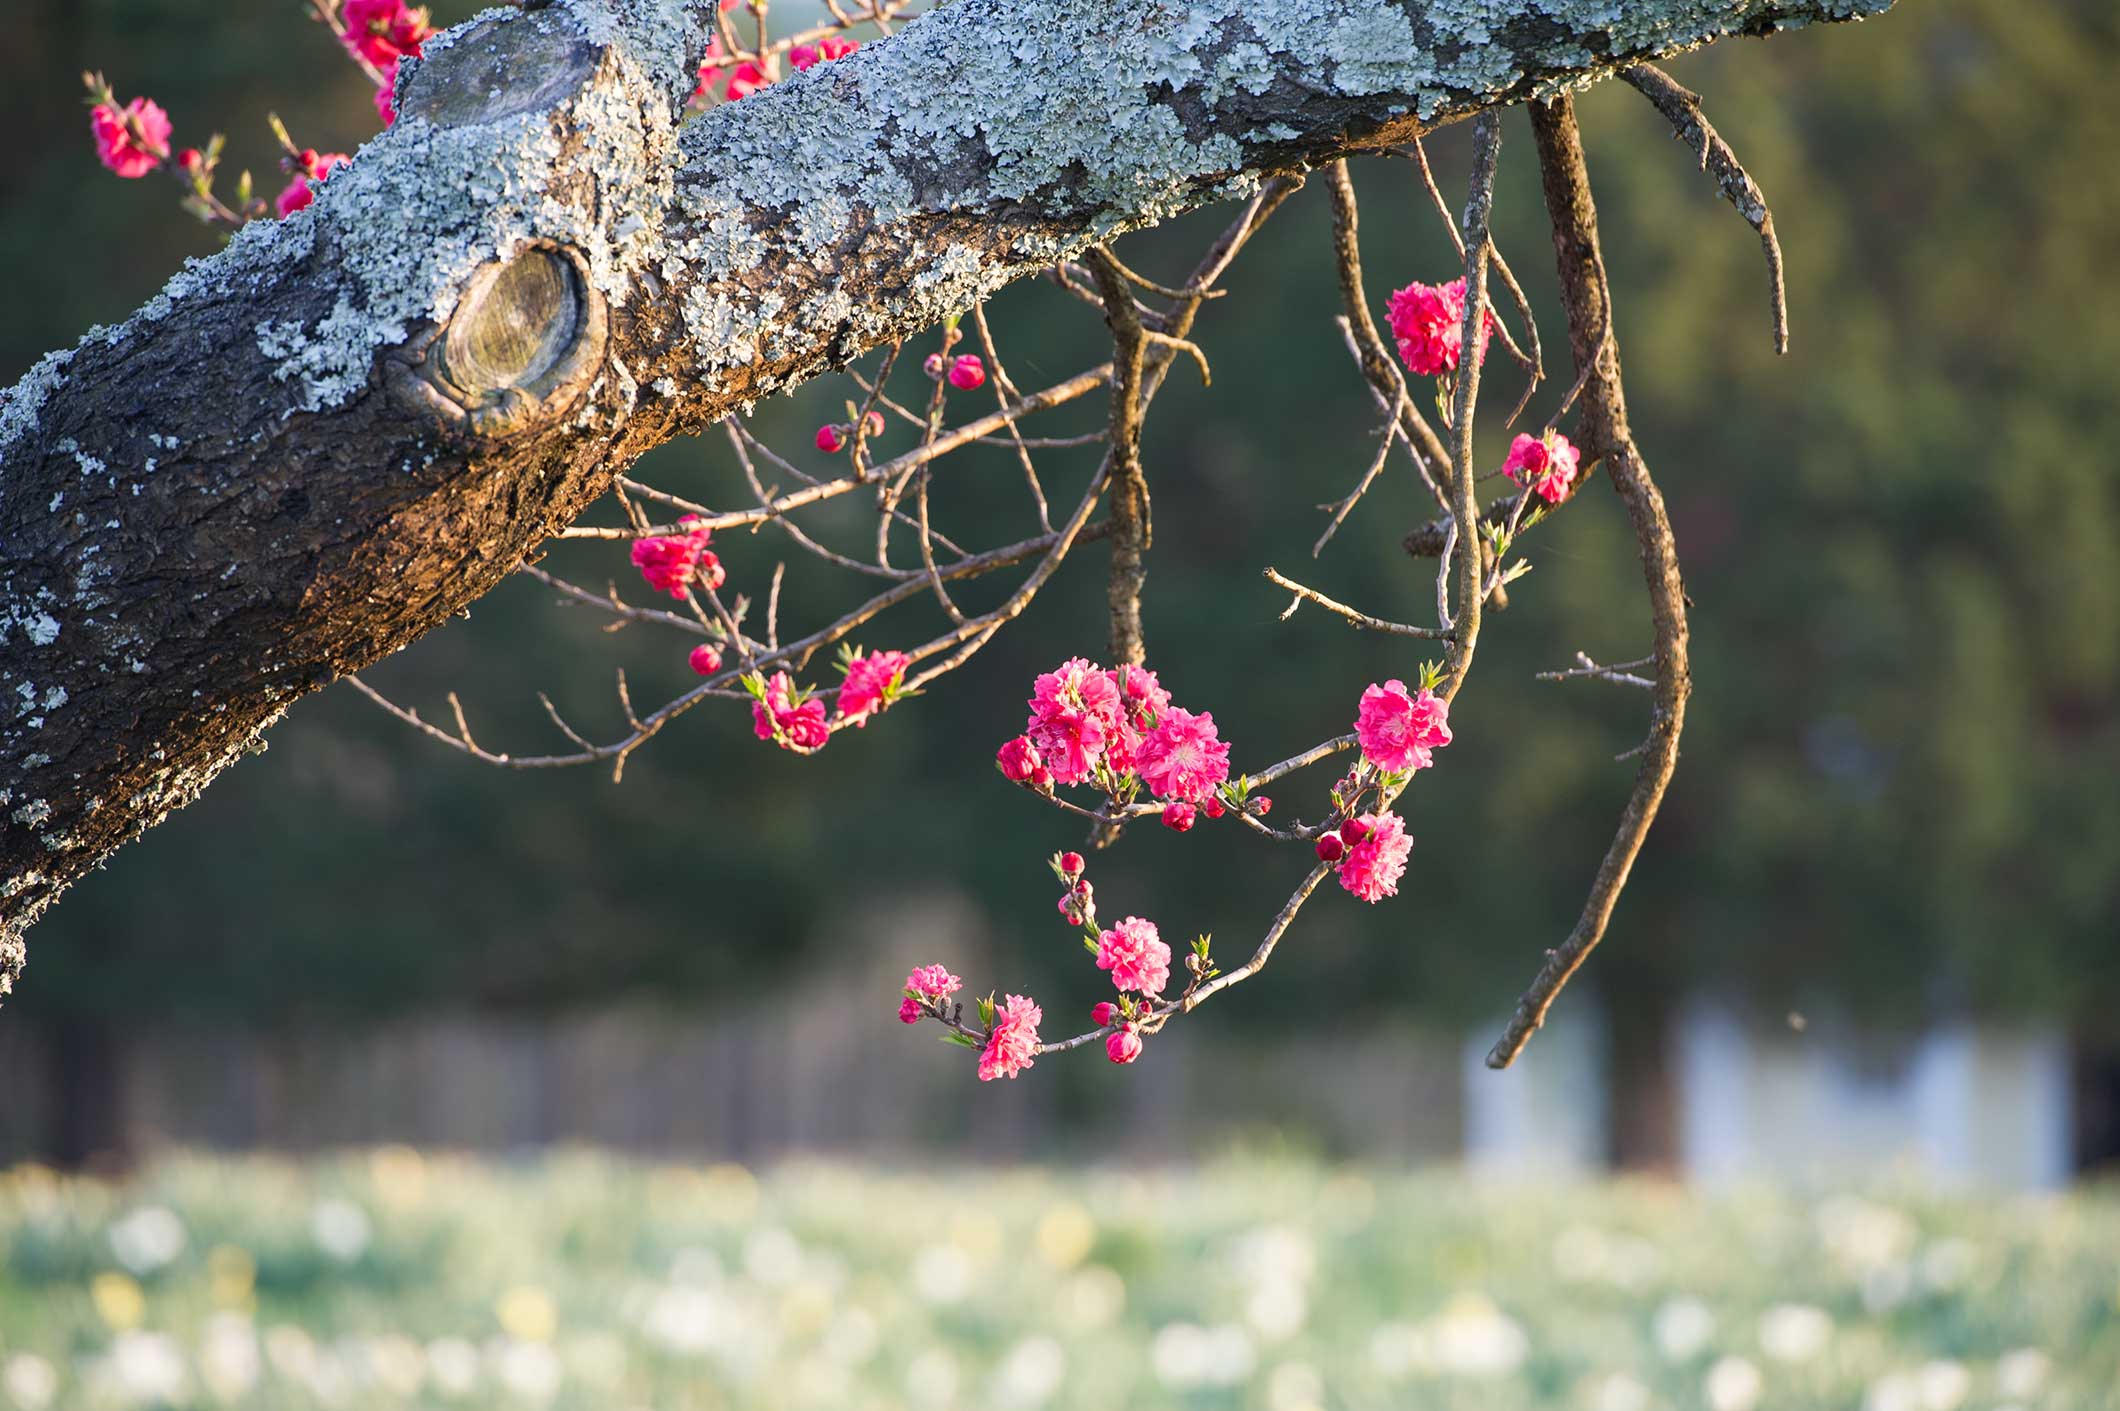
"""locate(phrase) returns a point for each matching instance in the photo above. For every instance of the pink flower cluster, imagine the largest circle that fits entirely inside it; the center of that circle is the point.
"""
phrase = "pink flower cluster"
(1547, 464)
(925, 990)
(1428, 320)
(671, 563)
(1371, 852)
(384, 32)
(787, 717)
(804, 57)
(1085, 719)
(1013, 1041)
(1136, 956)
(133, 140)
(872, 684)
(1398, 731)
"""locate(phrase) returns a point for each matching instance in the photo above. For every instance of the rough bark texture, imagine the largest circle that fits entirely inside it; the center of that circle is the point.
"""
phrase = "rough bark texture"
(325, 440)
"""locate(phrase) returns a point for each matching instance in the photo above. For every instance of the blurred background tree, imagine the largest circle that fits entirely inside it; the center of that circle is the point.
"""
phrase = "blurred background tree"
(1897, 795)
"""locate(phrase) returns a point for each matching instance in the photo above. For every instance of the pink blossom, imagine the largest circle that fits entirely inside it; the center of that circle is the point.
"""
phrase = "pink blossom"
(1124, 1046)
(131, 141)
(1103, 1012)
(909, 1010)
(933, 981)
(1547, 464)
(1145, 698)
(967, 373)
(311, 166)
(1429, 322)
(833, 46)
(1013, 1043)
(1179, 817)
(869, 679)
(1018, 760)
(1074, 712)
(386, 95)
(672, 562)
(745, 79)
(705, 660)
(1398, 729)
(1181, 758)
(382, 31)
(830, 439)
(796, 727)
(1372, 867)
(1136, 956)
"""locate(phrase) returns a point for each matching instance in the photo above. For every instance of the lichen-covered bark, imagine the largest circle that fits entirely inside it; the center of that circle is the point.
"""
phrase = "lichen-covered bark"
(280, 469)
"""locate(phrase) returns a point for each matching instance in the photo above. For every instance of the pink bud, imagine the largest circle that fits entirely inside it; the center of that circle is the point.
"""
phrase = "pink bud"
(1072, 864)
(873, 423)
(967, 372)
(1041, 778)
(1018, 760)
(1212, 807)
(1353, 831)
(1102, 1013)
(1263, 804)
(1123, 1047)
(1330, 848)
(933, 366)
(705, 660)
(1178, 817)
(909, 1010)
(831, 439)
(189, 159)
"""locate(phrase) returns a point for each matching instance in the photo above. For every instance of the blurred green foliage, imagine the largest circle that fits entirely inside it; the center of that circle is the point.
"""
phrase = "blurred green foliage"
(1902, 543)
(394, 1279)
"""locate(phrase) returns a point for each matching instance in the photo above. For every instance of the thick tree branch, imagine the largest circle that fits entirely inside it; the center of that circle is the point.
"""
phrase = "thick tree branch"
(324, 441)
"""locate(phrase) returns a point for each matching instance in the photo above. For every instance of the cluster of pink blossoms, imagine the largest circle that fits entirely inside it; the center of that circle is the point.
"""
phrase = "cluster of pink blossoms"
(1088, 724)
(1547, 464)
(1398, 730)
(1371, 852)
(133, 140)
(796, 720)
(384, 32)
(925, 990)
(1428, 320)
(750, 75)
(672, 563)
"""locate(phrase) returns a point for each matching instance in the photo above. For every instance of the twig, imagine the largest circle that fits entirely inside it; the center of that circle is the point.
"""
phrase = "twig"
(1352, 615)
(1619, 673)
(1681, 108)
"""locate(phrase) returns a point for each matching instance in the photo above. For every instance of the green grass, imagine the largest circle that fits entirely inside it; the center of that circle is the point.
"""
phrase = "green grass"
(389, 1279)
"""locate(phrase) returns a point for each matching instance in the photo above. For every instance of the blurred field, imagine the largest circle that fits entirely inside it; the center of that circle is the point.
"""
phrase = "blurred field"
(390, 1279)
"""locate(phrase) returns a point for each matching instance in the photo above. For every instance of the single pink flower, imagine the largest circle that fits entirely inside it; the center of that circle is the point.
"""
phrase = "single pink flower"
(1018, 760)
(830, 439)
(1179, 817)
(1372, 867)
(1398, 729)
(796, 727)
(673, 562)
(1547, 464)
(1136, 956)
(967, 373)
(909, 1010)
(1013, 1043)
(132, 141)
(1103, 1012)
(1181, 758)
(1124, 1046)
(705, 660)
(1429, 322)
(869, 679)
(933, 981)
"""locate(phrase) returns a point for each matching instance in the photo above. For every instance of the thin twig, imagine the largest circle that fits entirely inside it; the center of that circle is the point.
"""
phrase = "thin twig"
(1353, 616)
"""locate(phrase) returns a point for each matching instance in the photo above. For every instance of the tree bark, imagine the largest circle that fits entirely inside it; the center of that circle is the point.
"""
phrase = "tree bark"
(325, 440)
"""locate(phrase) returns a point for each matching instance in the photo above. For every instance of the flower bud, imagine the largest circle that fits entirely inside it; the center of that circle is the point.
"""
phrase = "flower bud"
(967, 372)
(831, 439)
(873, 423)
(1353, 831)
(1330, 848)
(1103, 1012)
(1018, 760)
(909, 1010)
(1123, 1046)
(1178, 817)
(1072, 864)
(705, 660)
(933, 366)
(1212, 807)
(1263, 805)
